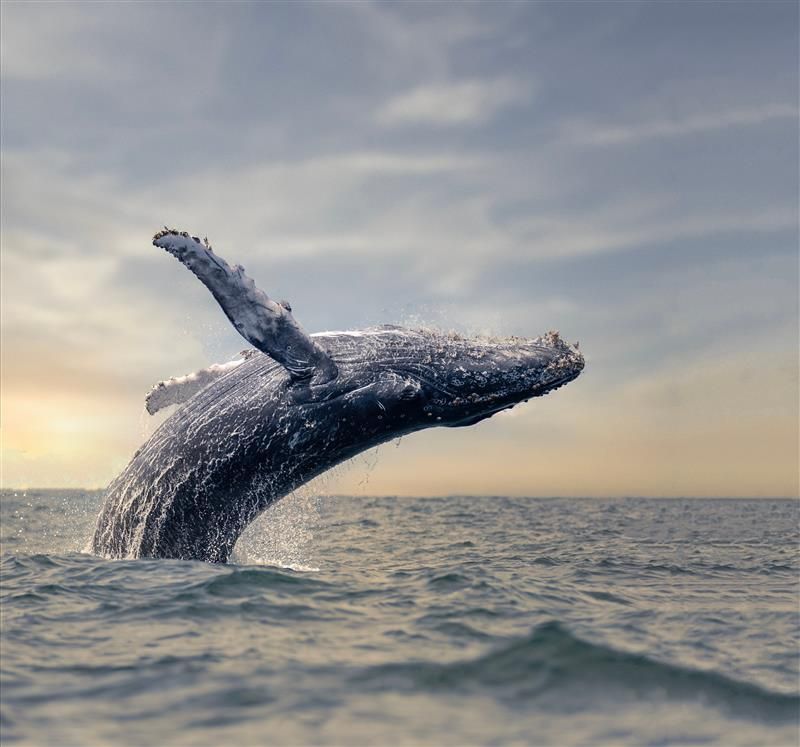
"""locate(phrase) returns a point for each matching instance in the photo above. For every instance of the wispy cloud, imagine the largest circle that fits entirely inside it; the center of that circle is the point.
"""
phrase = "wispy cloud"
(588, 133)
(626, 225)
(448, 104)
(73, 43)
(418, 42)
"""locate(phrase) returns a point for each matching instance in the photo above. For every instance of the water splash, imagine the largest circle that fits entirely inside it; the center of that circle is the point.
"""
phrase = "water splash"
(283, 535)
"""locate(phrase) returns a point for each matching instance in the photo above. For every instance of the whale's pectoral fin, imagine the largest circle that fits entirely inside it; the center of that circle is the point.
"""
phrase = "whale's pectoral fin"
(177, 390)
(267, 324)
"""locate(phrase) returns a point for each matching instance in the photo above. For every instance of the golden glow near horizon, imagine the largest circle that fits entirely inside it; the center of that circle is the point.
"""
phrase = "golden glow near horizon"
(700, 433)
(649, 210)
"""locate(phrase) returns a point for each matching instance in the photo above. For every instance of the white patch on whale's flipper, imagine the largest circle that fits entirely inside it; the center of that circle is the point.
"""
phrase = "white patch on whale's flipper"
(266, 324)
(177, 390)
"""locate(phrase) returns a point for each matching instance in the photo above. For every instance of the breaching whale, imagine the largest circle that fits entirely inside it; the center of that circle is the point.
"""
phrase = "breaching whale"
(250, 431)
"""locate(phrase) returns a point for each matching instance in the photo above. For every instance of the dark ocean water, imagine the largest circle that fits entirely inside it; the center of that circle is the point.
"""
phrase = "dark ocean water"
(399, 621)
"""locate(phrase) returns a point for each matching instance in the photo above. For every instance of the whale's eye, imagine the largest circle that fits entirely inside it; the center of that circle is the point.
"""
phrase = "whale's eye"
(410, 389)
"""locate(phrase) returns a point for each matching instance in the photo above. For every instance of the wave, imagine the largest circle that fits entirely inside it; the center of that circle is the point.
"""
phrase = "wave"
(697, 569)
(550, 669)
(555, 669)
(149, 589)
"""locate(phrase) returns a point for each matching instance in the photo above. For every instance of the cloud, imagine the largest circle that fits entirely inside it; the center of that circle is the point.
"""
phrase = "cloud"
(416, 42)
(629, 224)
(444, 105)
(595, 134)
(35, 38)
(291, 205)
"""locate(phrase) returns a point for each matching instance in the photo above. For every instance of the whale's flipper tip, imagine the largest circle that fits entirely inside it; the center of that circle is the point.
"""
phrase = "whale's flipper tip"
(160, 236)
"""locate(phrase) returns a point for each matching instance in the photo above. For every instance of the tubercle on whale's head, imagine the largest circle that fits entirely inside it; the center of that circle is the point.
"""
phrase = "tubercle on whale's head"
(436, 378)
(486, 375)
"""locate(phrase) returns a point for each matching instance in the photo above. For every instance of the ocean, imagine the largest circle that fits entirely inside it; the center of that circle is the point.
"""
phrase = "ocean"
(398, 621)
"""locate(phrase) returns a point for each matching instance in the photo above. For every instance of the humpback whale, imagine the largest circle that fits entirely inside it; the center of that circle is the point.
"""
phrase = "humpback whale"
(250, 431)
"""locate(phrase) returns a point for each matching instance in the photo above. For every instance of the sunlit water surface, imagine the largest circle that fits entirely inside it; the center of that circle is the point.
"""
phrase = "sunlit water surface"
(401, 621)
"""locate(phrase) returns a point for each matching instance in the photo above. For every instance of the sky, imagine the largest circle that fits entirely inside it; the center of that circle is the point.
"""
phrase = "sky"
(624, 172)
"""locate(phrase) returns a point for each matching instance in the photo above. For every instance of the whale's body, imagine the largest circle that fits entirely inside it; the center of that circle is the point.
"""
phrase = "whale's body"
(260, 429)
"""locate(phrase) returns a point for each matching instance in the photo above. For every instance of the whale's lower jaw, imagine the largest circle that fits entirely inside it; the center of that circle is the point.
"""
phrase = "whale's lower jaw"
(491, 410)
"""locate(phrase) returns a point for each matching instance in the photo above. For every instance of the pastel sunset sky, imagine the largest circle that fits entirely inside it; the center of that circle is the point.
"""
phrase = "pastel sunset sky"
(624, 172)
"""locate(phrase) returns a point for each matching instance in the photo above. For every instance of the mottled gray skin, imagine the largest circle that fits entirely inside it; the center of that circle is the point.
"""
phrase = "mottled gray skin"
(256, 433)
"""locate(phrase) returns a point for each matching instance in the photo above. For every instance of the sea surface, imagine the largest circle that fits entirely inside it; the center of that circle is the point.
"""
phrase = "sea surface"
(394, 621)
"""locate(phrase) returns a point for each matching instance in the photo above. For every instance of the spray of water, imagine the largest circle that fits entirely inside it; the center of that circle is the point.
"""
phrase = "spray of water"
(283, 535)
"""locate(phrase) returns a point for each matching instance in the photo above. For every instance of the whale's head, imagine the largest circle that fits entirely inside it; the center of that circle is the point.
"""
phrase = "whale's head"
(430, 378)
(474, 378)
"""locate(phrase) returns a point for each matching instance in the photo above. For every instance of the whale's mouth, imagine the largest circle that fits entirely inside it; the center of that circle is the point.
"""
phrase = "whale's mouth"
(489, 406)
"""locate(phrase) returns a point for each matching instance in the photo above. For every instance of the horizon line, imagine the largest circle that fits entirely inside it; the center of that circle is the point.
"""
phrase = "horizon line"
(25, 490)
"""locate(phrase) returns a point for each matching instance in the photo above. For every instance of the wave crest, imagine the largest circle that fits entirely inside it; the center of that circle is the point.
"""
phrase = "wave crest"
(554, 668)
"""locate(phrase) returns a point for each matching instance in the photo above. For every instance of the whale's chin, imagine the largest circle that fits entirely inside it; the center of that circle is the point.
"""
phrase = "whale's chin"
(508, 403)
